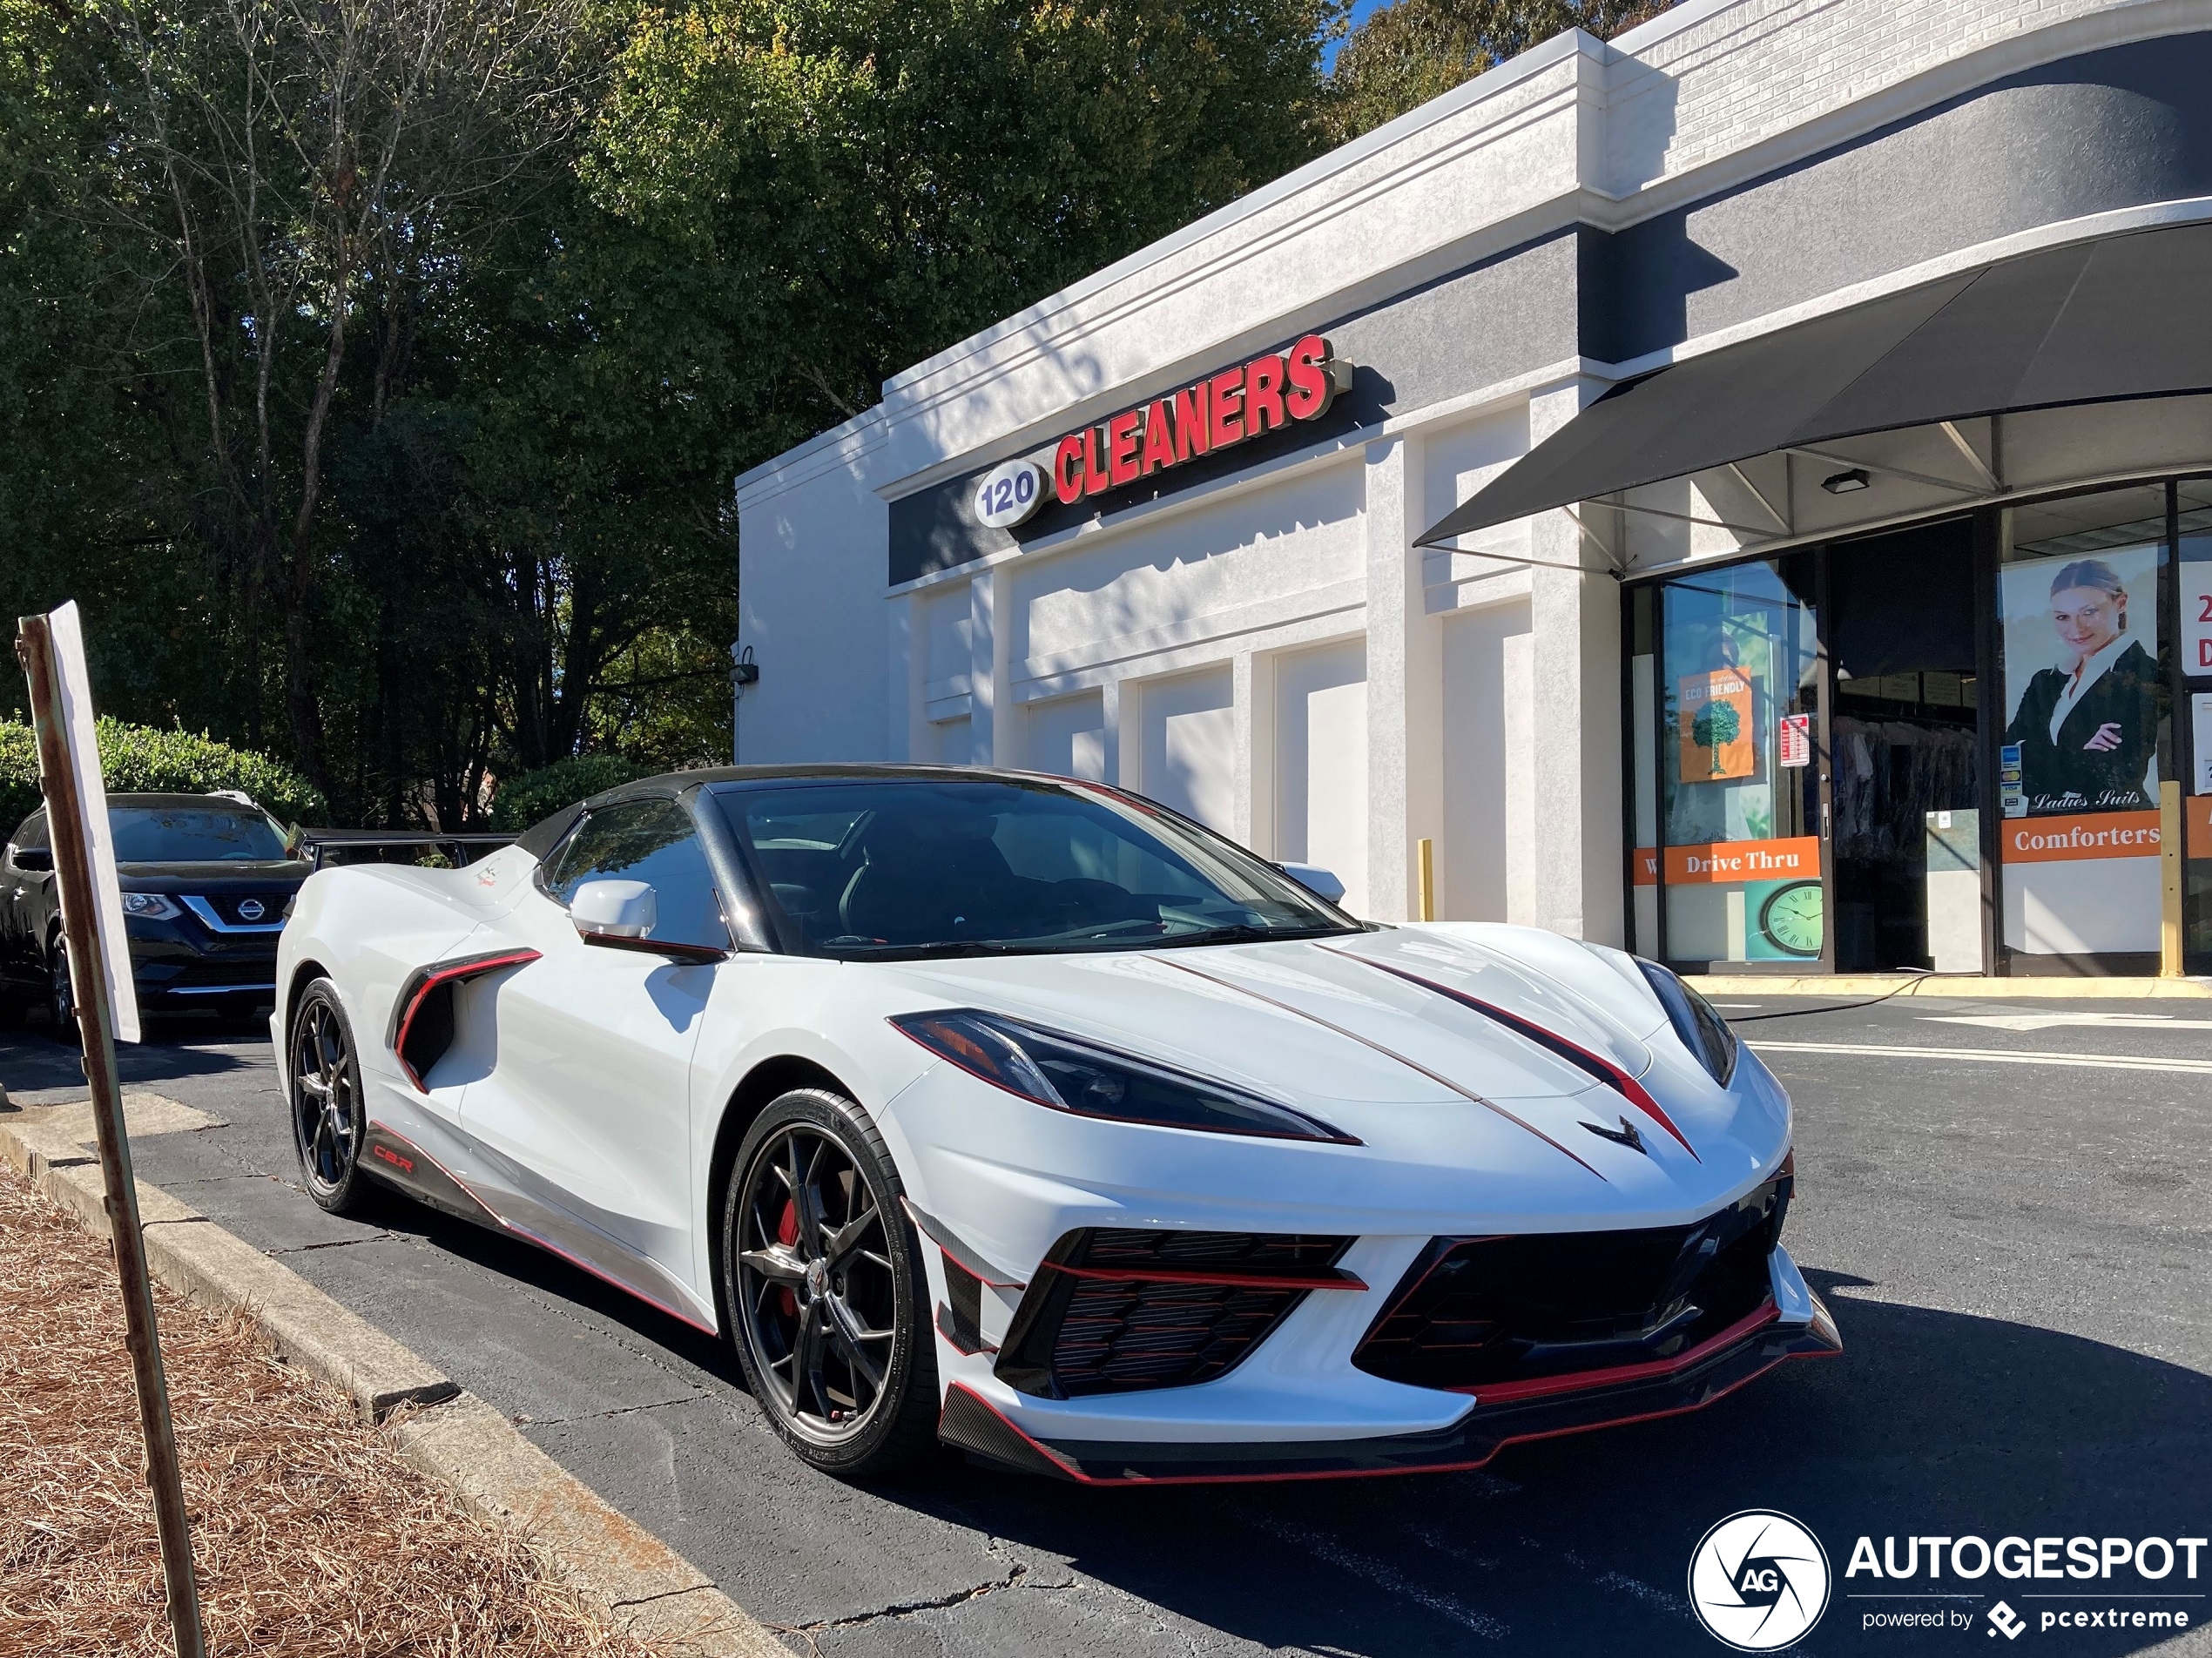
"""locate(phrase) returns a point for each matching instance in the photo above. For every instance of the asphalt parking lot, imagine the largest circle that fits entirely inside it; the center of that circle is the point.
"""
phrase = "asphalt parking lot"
(2010, 1219)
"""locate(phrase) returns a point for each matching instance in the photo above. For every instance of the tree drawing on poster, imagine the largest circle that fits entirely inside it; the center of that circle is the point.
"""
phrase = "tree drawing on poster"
(1714, 729)
(1717, 727)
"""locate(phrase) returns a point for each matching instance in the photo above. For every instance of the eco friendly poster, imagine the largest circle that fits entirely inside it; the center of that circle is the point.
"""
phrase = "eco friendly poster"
(1718, 738)
(2081, 679)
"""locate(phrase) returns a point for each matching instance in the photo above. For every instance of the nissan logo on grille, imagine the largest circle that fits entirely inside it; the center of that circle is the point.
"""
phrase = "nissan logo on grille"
(251, 909)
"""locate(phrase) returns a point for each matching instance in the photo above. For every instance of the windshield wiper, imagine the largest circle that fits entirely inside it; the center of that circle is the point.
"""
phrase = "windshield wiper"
(1246, 933)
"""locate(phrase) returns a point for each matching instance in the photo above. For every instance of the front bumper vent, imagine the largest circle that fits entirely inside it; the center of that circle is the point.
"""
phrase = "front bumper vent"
(1534, 1310)
(1118, 1309)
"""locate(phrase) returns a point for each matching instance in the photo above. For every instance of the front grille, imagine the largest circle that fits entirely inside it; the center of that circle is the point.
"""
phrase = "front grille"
(1120, 1309)
(231, 906)
(1489, 1312)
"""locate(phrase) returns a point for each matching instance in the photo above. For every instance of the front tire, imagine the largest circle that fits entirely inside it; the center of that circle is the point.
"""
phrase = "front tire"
(328, 1120)
(826, 1297)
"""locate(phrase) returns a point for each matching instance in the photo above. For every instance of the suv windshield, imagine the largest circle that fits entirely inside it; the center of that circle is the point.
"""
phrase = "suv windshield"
(926, 866)
(194, 835)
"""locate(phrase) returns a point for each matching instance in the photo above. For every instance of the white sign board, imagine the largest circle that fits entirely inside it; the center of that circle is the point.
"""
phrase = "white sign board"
(2201, 708)
(75, 686)
(2197, 617)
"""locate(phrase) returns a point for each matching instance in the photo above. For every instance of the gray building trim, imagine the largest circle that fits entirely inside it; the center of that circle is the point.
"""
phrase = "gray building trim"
(2119, 127)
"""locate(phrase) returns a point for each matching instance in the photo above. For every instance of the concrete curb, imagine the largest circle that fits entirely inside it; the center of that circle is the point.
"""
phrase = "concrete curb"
(465, 1446)
(1960, 984)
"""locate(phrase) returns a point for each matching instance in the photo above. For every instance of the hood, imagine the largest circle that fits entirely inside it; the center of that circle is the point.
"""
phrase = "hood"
(1472, 1046)
(224, 877)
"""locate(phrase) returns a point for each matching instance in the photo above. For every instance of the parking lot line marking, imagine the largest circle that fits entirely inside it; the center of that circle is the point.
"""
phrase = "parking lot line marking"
(2048, 1022)
(1997, 1057)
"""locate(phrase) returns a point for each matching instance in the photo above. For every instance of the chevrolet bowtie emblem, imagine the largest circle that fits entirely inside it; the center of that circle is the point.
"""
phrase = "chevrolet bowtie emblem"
(1625, 1135)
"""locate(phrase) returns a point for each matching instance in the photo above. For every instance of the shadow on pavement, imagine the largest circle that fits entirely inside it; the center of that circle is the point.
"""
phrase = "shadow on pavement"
(1930, 1423)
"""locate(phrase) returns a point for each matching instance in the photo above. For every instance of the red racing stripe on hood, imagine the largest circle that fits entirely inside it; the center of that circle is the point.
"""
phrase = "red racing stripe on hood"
(1388, 1052)
(1581, 1058)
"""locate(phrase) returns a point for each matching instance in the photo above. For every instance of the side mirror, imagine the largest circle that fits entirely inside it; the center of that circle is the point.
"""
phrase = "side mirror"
(1317, 881)
(621, 915)
(39, 859)
(613, 909)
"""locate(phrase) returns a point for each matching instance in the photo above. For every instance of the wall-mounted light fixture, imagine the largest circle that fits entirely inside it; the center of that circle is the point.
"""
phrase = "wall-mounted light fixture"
(1844, 482)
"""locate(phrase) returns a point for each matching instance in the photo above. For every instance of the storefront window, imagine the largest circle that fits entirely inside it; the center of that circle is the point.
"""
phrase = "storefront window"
(2079, 760)
(2193, 734)
(1738, 866)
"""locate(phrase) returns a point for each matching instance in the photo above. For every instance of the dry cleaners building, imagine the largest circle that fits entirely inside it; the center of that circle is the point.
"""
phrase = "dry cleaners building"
(1743, 491)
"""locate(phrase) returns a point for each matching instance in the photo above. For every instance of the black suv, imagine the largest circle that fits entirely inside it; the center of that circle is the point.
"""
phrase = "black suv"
(206, 881)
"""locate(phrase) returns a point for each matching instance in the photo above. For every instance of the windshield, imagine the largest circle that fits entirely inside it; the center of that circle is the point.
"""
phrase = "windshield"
(194, 835)
(937, 867)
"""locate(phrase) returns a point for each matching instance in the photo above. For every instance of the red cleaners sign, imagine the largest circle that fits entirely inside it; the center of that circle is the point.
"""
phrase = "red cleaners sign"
(1218, 412)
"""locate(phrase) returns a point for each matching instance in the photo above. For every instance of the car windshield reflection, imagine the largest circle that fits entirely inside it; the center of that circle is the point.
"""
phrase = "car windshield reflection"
(194, 835)
(936, 867)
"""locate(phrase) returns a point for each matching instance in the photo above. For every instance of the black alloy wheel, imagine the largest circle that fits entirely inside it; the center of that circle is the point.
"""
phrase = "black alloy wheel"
(61, 994)
(327, 1118)
(826, 1291)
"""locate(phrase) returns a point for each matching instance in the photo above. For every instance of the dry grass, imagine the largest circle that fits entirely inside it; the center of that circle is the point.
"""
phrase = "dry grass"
(312, 1536)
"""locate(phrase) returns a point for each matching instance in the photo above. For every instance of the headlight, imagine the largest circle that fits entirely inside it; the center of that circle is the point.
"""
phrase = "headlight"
(1068, 1074)
(1703, 1032)
(150, 906)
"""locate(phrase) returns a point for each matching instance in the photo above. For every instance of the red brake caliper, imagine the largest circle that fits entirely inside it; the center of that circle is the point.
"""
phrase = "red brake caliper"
(787, 1235)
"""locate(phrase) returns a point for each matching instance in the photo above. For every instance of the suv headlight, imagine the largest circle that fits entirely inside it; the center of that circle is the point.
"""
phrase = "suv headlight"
(1703, 1032)
(1068, 1074)
(151, 906)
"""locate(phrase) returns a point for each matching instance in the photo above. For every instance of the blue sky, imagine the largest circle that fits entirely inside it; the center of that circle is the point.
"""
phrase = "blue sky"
(1359, 11)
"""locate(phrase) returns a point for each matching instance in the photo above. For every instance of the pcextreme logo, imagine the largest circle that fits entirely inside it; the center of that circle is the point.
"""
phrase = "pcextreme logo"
(1758, 1581)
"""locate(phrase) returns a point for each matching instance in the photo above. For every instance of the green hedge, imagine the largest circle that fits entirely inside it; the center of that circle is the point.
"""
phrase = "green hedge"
(523, 801)
(142, 760)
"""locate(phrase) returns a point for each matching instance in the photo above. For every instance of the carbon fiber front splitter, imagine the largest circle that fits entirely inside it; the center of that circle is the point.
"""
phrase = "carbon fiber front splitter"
(972, 1423)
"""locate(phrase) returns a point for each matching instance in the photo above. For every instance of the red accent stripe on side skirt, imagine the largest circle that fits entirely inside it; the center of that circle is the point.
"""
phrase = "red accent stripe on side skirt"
(1575, 1381)
(450, 975)
(1603, 1068)
(1334, 1278)
(547, 1244)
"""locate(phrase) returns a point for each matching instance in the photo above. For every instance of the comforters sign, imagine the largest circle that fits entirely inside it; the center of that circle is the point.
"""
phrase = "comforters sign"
(2079, 777)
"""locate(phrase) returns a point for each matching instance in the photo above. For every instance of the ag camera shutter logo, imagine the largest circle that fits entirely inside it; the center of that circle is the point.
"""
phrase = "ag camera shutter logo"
(1759, 1580)
(1010, 494)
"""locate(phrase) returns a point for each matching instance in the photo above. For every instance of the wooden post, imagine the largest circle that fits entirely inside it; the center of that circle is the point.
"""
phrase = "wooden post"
(2169, 869)
(1427, 849)
(80, 921)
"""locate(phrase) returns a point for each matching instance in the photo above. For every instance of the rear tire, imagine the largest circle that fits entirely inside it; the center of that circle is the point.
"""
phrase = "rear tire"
(328, 1120)
(826, 1300)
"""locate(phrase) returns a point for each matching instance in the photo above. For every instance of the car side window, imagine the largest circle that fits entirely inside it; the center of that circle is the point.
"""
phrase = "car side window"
(653, 841)
(30, 833)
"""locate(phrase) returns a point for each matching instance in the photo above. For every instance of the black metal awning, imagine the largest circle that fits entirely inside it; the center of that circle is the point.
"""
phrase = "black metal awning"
(2127, 317)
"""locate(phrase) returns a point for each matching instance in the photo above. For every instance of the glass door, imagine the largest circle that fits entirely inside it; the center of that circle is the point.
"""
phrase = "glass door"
(1736, 873)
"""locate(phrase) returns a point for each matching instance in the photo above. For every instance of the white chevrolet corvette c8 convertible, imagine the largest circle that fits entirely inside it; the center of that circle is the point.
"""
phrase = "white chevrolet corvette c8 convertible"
(1023, 1114)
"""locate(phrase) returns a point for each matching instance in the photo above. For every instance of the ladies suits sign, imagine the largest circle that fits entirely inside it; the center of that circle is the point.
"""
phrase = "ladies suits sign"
(2078, 772)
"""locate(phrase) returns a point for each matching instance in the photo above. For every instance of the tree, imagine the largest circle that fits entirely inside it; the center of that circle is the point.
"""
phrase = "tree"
(872, 180)
(304, 173)
(1404, 55)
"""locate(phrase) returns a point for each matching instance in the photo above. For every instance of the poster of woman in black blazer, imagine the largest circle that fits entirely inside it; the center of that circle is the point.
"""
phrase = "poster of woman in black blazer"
(2087, 729)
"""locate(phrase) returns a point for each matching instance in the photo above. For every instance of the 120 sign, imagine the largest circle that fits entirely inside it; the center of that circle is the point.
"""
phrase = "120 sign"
(1010, 494)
